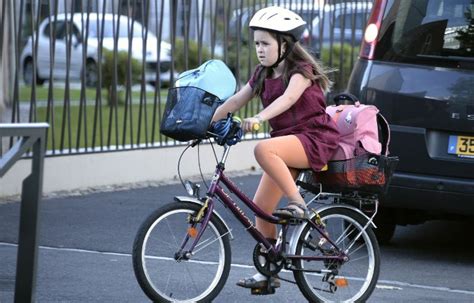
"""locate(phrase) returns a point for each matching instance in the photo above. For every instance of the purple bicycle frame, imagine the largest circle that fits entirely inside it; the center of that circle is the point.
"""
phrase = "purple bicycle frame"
(216, 190)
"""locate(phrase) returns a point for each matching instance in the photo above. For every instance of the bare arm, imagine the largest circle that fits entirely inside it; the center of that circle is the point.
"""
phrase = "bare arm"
(234, 103)
(298, 84)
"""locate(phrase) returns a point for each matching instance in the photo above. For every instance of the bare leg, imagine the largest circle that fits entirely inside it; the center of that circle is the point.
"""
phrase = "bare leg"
(267, 197)
(276, 156)
(281, 159)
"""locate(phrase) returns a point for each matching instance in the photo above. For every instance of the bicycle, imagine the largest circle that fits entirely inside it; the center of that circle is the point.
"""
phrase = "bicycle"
(182, 250)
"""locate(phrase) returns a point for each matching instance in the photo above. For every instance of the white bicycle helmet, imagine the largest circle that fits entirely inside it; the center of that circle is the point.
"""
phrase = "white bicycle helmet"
(279, 20)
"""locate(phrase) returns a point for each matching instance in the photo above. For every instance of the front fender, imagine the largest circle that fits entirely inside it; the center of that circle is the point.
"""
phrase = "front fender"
(297, 231)
(197, 201)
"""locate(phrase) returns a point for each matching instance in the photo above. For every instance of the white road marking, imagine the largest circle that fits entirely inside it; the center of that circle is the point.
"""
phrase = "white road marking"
(388, 287)
(382, 284)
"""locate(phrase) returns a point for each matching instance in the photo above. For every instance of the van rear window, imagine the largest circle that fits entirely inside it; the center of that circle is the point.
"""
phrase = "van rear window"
(431, 32)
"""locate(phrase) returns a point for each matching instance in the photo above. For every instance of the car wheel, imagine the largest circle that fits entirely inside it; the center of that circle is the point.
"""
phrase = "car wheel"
(28, 75)
(91, 74)
(386, 224)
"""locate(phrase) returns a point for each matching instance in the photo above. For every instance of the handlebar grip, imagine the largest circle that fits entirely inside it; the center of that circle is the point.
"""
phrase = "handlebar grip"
(237, 119)
(256, 127)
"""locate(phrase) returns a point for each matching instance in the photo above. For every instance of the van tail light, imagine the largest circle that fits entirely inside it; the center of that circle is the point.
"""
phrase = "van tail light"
(371, 33)
(305, 37)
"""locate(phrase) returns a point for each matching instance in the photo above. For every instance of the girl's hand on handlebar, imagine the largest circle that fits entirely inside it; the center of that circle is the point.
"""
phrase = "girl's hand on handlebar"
(251, 124)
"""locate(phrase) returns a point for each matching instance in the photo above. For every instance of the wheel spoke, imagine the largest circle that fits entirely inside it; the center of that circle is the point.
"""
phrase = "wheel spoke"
(191, 278)
(170, 231)
(200, 244)
(350, 232)
(355, 250)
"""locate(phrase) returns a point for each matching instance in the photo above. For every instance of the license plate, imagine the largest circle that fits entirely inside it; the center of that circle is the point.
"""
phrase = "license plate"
(461, 146)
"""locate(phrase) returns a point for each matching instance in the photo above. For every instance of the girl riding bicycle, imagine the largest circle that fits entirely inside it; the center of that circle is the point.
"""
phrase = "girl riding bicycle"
(291, 86)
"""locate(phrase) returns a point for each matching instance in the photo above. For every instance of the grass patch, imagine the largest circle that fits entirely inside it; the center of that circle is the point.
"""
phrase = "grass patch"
(42, 93)
(94, 127)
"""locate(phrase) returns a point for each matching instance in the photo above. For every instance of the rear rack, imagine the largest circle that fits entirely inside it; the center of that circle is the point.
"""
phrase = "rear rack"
(365, 201)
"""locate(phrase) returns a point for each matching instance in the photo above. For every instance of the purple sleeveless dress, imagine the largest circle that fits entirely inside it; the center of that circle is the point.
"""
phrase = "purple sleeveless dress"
(306, 119)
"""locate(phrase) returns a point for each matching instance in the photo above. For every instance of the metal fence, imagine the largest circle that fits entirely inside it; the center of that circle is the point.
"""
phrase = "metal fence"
(97, 71)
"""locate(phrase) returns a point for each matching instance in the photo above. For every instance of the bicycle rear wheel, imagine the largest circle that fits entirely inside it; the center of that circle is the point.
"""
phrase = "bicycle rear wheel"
(164, 276)
(350, 281)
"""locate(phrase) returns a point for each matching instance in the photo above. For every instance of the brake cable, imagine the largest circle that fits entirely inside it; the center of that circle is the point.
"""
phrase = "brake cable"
(193, 144)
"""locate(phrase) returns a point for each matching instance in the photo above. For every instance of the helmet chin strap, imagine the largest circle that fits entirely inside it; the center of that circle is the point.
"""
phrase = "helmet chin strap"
(288, 50)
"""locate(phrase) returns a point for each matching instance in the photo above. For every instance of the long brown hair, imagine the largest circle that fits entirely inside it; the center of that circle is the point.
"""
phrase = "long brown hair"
(297, 54)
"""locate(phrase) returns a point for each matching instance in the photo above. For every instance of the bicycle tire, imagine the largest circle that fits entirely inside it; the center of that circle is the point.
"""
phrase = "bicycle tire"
(359, 274)
(164, 279)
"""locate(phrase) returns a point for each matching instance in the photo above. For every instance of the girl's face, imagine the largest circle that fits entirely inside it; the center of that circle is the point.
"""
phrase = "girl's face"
(266, 47)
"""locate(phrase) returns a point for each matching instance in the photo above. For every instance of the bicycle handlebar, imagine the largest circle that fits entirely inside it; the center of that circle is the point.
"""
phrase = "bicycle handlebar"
(228, 130)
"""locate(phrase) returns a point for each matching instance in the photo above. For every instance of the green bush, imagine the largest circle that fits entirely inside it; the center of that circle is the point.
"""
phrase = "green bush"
(193, 59)
(331, 57)
(123, 67)
(242, 66)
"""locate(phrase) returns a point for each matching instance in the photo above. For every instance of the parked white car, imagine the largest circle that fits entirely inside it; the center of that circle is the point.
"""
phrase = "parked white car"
(78, 42)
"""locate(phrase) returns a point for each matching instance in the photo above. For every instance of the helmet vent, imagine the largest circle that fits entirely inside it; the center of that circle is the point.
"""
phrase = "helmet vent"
(271, 16)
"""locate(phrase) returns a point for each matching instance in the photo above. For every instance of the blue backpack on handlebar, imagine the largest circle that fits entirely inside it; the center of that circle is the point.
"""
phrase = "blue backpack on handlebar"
(212, 76)
(192, 102)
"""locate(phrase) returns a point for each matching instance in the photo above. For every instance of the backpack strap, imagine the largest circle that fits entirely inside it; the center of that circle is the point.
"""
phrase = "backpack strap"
(384, 133)
(341, 101)
(345, 98)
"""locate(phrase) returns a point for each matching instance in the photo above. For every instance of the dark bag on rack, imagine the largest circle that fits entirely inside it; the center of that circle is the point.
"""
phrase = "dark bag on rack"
(367, 173)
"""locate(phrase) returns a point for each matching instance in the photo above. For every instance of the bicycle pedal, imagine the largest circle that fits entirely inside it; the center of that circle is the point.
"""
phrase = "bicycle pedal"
(262, 291)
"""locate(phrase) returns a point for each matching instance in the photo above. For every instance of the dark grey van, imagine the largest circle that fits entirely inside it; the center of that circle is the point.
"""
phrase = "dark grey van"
(417, 66)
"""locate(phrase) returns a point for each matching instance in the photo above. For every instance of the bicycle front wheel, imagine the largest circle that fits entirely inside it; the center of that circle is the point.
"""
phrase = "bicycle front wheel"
(167, 277)
(338, 281)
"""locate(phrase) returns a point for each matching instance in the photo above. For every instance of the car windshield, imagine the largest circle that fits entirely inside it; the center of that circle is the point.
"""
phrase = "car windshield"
(351, 16)
(111, 25)
(435, 32)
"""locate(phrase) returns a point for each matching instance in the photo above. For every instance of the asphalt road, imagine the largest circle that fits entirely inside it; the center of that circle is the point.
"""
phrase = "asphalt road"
(86, 245)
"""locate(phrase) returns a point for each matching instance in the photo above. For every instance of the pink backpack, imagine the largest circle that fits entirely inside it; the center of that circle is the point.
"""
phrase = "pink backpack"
(358, 125)
(361, 160)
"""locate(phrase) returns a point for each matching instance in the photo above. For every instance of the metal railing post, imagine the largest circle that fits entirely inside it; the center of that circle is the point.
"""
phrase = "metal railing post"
(32, 137)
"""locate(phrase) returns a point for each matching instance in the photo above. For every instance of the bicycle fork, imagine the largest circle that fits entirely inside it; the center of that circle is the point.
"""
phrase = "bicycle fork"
(194, 232)
(202, 217)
